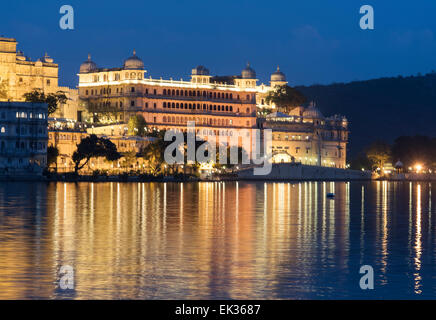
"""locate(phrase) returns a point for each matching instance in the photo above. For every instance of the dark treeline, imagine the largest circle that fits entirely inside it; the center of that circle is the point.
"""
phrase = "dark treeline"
(409, 150)
(381, 108)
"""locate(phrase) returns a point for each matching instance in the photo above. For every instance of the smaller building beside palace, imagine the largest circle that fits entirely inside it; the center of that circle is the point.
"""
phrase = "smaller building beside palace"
(306, 136)
(23, 138)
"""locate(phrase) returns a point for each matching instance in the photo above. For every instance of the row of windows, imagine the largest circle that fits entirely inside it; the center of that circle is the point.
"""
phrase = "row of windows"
(199, 121)
(117, 76)
(30, 115)
(47, 82)
(287, 137)
(23, 145)
(24, 130)
(63, 137)
(297, 150)
(207, 132)
(199, 106)
(171, 92)
(198, 93)
(175, 105)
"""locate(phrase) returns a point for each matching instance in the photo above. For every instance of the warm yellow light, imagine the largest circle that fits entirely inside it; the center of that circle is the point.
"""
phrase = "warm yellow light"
(418, 167)
(206, 166)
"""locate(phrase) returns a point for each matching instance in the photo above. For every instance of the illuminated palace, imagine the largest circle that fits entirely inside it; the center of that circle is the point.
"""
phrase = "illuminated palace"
(215, 104)
(116, 94)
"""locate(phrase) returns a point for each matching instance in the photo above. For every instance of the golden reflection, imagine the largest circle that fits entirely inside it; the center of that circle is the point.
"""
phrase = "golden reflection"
(418, 235)
(237, 240)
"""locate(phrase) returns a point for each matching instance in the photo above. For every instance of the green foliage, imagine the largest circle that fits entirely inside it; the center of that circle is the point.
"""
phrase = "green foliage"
(154, 153)
(129, 159)
(93, 147)
(361, 161)
(379, 153)
(241, 155)
(137, 125)
(285, 98)
(53, 100)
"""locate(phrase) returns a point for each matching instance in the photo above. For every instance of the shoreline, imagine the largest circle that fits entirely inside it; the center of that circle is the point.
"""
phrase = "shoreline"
(181, 178)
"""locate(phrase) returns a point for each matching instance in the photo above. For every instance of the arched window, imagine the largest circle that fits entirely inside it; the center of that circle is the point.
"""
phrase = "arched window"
(164, 104)
(164, 92)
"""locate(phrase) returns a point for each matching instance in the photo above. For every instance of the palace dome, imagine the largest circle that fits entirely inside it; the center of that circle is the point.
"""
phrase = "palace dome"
(248, 72)
(278, 76)
(200, 71)
(133, 62)
(313, 112)
(88, 66)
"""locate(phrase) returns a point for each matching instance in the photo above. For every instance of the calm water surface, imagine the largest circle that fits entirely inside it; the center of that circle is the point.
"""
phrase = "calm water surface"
(237, 240)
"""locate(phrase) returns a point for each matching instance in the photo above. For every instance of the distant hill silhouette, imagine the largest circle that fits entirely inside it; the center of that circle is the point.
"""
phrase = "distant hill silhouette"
(382, 108)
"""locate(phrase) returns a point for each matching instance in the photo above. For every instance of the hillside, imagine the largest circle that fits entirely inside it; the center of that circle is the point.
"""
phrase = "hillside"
(382, 108)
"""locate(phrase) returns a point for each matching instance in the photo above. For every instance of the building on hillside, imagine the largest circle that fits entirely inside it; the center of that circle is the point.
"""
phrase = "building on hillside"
(113, 95)
(20, 75)
(23, 138)
(306, 136)
(217, 104)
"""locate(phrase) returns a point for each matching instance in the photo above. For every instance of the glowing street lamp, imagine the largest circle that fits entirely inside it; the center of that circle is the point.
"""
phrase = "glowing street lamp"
(418, 168)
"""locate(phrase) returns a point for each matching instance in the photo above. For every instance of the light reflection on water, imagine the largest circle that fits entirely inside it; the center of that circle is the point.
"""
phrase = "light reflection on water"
(238, 240)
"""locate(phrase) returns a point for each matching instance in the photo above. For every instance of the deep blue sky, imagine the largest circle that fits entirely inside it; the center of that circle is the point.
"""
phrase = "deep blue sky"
(313, 41)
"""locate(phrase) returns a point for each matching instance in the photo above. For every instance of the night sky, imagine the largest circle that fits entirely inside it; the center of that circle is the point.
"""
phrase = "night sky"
(313, 41)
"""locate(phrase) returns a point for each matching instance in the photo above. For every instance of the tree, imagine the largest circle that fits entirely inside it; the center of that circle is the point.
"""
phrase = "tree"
(129, 159)
(137, 125)
(361, 161)
(154, 152)
(53, 100)
(93, 147)
(241, 155)
(52, 155)
(379, 153)
(285, 98)
(415, 149)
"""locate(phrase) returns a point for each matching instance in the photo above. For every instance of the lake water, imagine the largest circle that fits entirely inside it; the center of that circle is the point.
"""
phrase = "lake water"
(238, 240)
